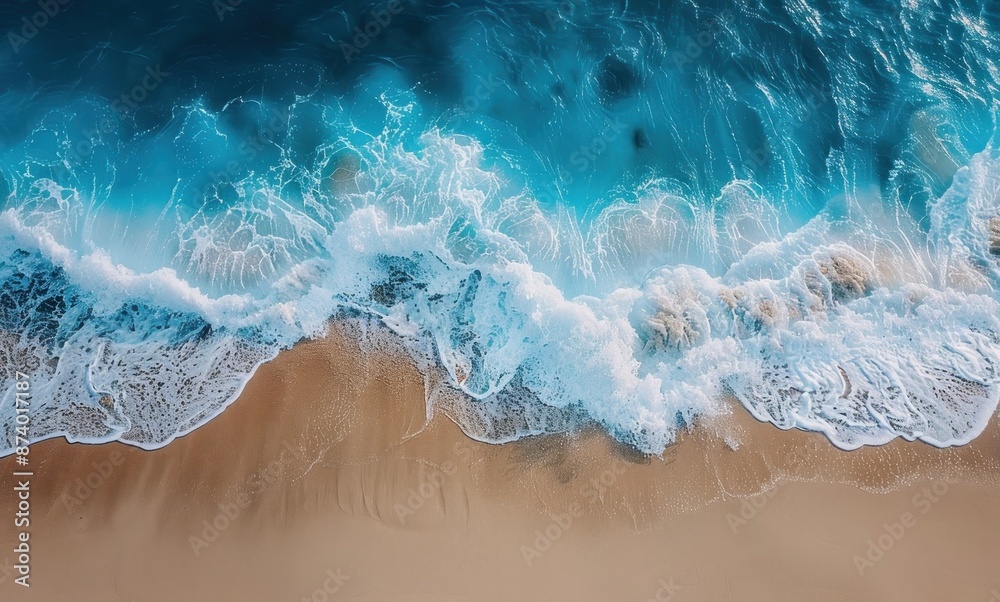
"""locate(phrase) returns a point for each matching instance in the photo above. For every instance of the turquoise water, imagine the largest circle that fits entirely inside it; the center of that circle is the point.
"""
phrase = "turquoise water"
(581, 212)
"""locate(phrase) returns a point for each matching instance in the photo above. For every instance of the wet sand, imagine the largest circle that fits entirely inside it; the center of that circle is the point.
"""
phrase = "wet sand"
(327, 480)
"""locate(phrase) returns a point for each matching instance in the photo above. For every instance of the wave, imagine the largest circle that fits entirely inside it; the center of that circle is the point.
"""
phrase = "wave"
(622, 222)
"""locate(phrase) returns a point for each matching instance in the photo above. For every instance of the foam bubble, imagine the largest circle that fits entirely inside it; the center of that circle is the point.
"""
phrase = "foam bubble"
(640, 319)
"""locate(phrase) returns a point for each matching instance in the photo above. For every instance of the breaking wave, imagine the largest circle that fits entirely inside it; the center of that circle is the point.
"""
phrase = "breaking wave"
(605, 212)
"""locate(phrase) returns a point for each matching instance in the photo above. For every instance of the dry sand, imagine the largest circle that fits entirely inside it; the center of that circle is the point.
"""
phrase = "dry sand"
(334, 477)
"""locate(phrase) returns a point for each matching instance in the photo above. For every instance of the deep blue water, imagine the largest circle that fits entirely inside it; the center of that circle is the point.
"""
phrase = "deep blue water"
(616, 212)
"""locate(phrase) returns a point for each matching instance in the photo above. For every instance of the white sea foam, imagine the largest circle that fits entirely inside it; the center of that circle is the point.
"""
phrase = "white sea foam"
(822, 328)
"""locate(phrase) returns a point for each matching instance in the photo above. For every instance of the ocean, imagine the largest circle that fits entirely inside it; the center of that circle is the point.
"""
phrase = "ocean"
(581, 212)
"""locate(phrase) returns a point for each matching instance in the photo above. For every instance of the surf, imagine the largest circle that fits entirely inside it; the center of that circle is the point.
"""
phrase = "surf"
(579, 213)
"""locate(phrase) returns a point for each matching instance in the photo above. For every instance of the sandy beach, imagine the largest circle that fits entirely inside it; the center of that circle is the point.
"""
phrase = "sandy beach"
(327, 480)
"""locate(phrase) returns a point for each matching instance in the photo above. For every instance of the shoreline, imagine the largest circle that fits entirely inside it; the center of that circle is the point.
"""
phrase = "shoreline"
(327, 470)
